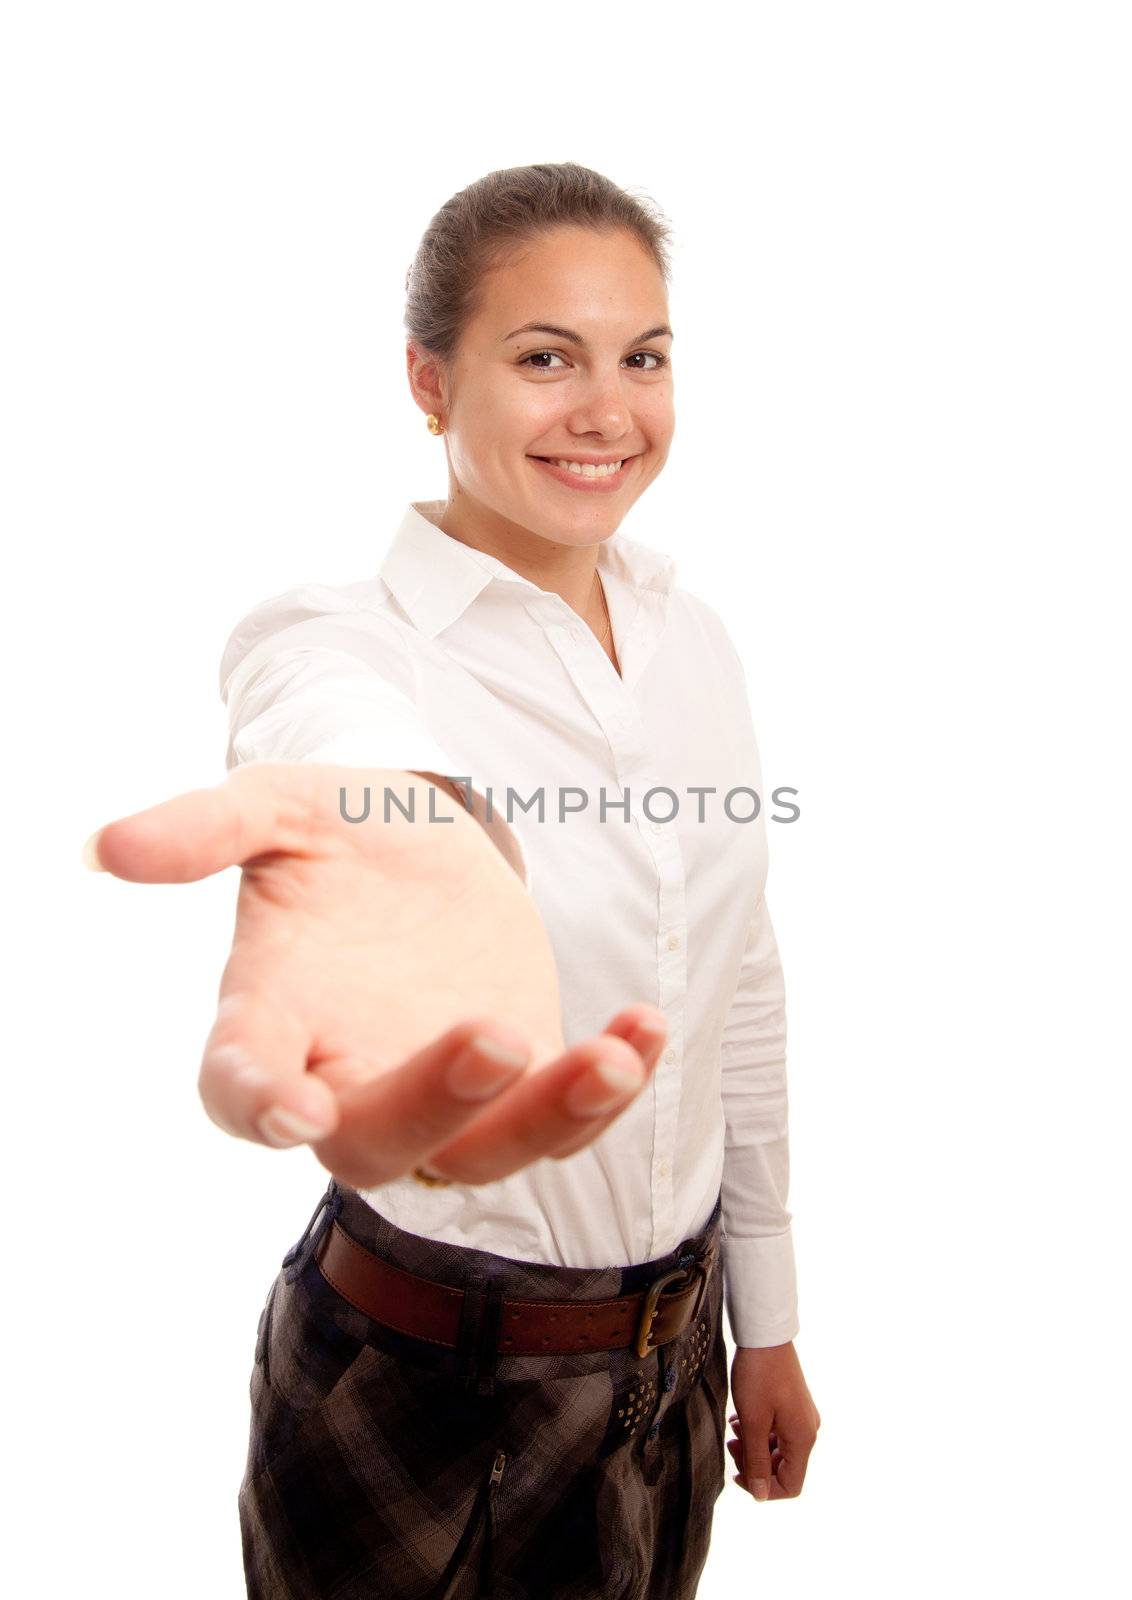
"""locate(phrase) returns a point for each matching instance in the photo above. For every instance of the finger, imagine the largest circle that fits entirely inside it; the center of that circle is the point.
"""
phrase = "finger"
(256, 809)
(791, 1471)
(390, 1123)
(253, 1080)
(756, 1456)
(643, 1027)
(544, 1109)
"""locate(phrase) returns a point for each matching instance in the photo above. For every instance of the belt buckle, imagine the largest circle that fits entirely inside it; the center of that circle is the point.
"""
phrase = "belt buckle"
(652, 1301)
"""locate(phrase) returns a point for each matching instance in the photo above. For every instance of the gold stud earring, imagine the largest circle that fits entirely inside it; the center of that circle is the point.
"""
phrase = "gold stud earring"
(434, 423)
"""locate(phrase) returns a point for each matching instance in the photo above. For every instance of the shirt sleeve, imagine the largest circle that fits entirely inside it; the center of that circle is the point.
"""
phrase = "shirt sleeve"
(318, 704)
(758, 1251)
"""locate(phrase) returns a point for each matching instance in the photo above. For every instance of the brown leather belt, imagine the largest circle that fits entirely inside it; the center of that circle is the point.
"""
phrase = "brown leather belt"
(433, 1311)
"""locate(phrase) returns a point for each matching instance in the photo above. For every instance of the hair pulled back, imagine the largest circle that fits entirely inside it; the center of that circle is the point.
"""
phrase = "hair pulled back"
(492, 218)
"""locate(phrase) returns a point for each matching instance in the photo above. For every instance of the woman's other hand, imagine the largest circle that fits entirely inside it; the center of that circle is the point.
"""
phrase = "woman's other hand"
(775, 1421)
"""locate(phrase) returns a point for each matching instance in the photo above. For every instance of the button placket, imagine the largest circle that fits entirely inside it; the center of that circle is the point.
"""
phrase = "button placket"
(671, 992)
(610, 701)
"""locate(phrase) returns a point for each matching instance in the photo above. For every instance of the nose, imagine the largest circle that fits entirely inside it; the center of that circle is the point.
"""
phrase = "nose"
(602, 406)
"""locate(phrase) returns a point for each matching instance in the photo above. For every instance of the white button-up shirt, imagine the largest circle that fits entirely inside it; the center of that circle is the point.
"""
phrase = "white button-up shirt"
(450, 662)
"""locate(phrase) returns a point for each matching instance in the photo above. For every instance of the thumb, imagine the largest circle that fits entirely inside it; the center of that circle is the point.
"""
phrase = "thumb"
(202, 831)
(756, 1456)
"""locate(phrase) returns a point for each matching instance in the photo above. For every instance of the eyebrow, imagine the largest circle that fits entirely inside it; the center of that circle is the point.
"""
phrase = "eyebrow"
(575, 338)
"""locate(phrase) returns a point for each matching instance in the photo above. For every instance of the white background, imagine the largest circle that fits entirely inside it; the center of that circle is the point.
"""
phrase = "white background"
(902, 359)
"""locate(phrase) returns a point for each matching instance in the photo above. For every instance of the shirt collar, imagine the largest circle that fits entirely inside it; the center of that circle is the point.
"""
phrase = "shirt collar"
(435, 577)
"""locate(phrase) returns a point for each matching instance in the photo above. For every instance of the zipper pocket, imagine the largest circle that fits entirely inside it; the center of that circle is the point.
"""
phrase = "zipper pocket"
(487, 1553)
(482, 1514)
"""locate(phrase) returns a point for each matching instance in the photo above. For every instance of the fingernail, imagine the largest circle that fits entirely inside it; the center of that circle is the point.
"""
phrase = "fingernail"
(483, 1069)
(600, 1089)
(282, 1128)
(761, 1488)
(90, 852)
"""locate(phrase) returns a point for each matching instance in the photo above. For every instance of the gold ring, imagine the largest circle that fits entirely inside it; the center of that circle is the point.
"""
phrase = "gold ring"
(430, 1178)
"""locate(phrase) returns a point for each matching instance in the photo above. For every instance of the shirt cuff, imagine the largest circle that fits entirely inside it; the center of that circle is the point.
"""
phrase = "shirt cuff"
(760, 1289)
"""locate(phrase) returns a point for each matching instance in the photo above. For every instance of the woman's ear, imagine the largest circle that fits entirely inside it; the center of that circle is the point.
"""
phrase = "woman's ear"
(425, 380)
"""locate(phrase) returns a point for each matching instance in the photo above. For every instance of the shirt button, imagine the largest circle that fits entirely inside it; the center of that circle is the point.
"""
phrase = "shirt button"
(674, 941)
(657, 827)
(670, 1055)
(663, 1169)
(670, 1379)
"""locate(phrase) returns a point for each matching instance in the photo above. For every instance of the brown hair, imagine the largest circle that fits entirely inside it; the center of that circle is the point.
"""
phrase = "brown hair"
(474, 230)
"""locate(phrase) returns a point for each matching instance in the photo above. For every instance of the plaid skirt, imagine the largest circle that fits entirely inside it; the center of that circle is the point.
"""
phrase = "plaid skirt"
(383, 1467)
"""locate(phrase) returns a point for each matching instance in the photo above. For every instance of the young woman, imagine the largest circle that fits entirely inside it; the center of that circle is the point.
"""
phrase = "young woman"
(503, 958)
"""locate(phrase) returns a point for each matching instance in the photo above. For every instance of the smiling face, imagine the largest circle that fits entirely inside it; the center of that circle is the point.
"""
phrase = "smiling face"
(588, 382)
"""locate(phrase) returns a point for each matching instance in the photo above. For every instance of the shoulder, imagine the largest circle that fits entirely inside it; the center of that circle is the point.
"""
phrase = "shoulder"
(358, 619)
(694, 614)
(704, 647)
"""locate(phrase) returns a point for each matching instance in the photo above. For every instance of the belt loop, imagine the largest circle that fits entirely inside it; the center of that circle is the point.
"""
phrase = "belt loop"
(489, 1337)
(295, 1261)
(706, 1260)
(467, 1337)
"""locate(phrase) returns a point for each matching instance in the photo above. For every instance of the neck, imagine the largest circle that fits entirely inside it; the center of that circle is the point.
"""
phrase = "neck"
(559, 568)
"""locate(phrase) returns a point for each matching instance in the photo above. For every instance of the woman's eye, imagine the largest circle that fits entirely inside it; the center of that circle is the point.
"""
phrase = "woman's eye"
(538, 359)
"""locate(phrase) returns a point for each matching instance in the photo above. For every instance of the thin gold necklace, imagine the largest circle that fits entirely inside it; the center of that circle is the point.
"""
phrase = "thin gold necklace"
(608, 619)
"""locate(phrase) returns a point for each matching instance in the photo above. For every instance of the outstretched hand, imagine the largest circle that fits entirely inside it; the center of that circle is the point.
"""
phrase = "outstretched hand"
(391, 995)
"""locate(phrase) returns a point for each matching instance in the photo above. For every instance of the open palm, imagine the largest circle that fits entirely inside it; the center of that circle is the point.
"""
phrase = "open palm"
(377, 972)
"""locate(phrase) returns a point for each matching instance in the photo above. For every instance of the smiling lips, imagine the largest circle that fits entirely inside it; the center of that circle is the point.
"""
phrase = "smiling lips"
(589, 475)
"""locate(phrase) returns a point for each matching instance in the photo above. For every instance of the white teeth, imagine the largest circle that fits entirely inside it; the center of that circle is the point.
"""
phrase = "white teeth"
(588, 470)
